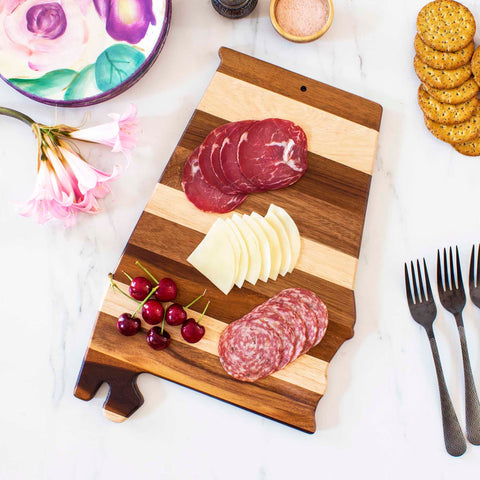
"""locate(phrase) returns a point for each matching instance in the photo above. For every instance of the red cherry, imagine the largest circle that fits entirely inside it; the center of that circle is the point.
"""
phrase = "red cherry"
(157, 339)
(140, 287)
(128, 325)
(192, 331)
(152, 312)
(175, 315)
(167, 290)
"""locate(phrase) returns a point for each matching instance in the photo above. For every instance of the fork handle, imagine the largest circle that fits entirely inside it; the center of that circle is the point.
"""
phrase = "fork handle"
(454, 439)
(472, 405)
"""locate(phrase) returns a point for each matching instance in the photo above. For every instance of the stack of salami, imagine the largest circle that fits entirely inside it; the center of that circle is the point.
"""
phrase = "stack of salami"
(244, 157)
(273, 335)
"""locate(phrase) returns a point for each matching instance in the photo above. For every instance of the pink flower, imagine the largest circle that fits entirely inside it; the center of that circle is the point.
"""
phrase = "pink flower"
(66, 184)
(120, 135)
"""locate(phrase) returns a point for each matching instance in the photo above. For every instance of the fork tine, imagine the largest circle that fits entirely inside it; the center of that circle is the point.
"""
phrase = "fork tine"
(427, 281)
(445, 267)
(439, 273)
(478, 265)
(471, 274)
(407, 287)
(459, 271)
(420, 282)
(414, 282)
(452, 271)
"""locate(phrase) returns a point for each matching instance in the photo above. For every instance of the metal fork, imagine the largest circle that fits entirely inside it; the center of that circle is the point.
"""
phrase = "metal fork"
(474, 285)
(424, 311)
(452, 297)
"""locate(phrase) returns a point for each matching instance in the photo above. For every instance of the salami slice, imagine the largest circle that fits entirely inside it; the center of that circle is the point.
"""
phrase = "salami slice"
(249, 350)
(229, 160)
(290, 318)
(203, 195)
(276, 321)
(272, 153)
(318, 315)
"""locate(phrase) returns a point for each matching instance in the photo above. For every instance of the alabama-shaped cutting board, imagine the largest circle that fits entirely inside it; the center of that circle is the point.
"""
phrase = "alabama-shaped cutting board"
(328, 205)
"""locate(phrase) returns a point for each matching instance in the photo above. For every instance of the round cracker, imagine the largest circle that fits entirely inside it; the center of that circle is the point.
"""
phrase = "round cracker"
(471, 148)
(443, 60)
(441, 78)
(446, 25)
(443, 112)
(457, 95)
(463, 132)
(476, 65)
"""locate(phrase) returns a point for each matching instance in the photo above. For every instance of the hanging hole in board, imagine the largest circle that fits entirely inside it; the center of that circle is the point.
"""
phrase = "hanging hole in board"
(303, 88)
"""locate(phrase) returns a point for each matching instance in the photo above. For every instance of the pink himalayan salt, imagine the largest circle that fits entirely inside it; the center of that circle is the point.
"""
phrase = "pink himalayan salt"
(302, 17)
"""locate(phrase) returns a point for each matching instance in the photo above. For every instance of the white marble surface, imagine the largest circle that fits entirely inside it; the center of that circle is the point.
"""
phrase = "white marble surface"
(380, 417)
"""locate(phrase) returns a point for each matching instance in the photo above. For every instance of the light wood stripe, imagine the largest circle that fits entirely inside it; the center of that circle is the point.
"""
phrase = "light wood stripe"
(306, 372)
(338, 139)
(315, 258)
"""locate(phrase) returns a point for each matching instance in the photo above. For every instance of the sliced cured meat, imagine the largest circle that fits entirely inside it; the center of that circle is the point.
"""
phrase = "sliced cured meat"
(229, 160)
(250, 350)
(276, 321)
(202, 194)
(294, 298)
(223, 184)
(208, 146)
(272, 153)
(284, 311)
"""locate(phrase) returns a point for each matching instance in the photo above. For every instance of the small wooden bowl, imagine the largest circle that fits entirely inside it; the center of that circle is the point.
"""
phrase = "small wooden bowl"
(295, 38)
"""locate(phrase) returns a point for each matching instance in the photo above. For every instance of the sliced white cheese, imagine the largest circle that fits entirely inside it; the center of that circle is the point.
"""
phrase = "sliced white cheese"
(254, 257)
(243, 259)
(215, 257)
(285, 247)
(264, 245)
(274, 242)
(292, 232)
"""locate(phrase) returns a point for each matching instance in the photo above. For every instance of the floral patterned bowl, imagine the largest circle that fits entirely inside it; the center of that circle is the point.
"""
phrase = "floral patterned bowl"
(74, 53)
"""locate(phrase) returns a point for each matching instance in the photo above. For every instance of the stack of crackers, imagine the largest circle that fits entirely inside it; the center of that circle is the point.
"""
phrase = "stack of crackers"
(448, 94)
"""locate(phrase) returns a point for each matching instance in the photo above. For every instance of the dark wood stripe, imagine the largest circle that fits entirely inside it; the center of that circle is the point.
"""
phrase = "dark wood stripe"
(284, 82)
(202, 371)
(337, 194)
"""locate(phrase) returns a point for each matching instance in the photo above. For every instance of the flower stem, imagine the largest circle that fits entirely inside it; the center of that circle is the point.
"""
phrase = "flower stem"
(198, 298)
(15, 114)
(144, 301)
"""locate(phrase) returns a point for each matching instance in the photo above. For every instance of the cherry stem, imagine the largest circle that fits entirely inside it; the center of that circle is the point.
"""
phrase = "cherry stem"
(196, 300)
(163, 321)
(146, 271)
(144, 301)
(127, 275)
(203, 313)
(115, 286)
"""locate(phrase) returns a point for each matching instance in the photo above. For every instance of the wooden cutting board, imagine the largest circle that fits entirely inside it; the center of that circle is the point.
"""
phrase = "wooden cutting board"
(328, 204)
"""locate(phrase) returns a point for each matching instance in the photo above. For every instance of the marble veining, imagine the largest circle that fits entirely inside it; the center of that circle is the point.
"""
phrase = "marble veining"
(380, 417)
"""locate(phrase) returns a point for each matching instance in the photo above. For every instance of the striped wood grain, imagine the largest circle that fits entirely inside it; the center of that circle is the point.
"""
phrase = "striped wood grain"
(328, 204)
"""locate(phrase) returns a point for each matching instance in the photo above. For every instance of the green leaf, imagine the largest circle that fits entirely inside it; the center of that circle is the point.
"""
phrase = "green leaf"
(80, 84)
(115, 65)
(50, 83)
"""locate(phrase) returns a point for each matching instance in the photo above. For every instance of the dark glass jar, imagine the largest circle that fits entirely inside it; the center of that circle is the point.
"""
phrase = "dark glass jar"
(234, 8)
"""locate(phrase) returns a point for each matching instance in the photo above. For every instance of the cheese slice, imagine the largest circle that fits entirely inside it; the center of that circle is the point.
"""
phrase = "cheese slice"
(215, 257)
(254, 258)
(264, 245)
(243, 259)
(285, 248)
(292, 232)
(273, 241)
